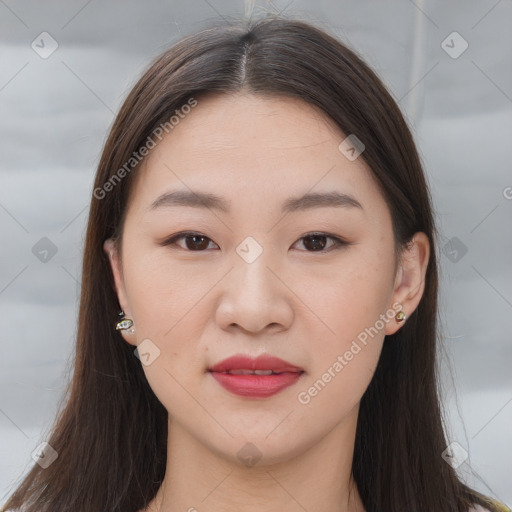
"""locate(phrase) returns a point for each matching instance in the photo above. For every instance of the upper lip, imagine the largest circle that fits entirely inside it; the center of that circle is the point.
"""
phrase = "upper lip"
(262, 362)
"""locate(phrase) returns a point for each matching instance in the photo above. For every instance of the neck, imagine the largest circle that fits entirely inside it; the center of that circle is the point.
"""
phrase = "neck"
(316, 478)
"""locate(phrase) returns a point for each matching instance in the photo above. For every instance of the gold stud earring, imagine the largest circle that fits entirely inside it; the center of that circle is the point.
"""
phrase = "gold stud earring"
(400, 316)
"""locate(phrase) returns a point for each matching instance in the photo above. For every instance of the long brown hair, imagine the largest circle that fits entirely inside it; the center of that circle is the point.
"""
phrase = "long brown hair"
(111, 435)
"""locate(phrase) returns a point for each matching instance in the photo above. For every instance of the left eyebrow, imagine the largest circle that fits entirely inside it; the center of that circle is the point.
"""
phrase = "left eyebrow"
(293, 204)
(320, 200)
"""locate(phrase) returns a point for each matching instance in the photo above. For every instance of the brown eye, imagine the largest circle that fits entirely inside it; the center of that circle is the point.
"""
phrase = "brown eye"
(196, 242)
(316, 242)
(193, 241)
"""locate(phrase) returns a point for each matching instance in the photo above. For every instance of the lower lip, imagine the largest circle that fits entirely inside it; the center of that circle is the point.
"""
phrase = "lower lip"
(256, 386)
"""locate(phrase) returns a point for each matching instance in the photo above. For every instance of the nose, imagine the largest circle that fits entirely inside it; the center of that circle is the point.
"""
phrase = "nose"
(254, 298)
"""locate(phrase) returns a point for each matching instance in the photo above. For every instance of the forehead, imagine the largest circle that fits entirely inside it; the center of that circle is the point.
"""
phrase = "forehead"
(246, 122)
(254, 148)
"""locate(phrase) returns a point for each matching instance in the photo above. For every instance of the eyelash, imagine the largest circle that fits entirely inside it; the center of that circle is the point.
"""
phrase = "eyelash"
(338, 242)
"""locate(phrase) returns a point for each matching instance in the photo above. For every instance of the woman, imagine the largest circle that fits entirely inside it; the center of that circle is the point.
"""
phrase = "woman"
(261, 223)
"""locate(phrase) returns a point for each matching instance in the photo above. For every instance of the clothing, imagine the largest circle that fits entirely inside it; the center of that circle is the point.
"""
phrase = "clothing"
(501, 507)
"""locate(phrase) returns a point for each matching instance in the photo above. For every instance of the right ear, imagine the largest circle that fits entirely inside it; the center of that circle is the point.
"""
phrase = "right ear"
(110, 248)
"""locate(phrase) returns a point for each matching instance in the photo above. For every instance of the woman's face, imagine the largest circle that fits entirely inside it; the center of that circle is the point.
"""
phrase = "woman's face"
(256, 280)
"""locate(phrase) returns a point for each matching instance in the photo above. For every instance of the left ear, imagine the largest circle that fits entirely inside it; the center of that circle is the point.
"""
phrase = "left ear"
(410, 278)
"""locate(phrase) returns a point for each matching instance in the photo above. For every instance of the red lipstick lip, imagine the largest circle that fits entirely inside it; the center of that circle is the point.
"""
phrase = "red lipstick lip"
(262, 362)
(256, 386)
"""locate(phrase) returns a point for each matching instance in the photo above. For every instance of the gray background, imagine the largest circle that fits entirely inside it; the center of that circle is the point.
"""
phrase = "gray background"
(55, 114)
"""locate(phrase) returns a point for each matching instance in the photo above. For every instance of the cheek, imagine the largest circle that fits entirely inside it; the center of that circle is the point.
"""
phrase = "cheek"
(353, 293)
(344, 361)
(354, 306)
(330, 394)
(169, 305)
(159, 289)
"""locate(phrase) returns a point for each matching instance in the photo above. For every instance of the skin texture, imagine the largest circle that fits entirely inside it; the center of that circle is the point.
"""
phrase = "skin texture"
(296, 302)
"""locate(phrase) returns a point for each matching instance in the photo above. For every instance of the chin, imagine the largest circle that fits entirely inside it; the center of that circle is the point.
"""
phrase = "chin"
(256, 449)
